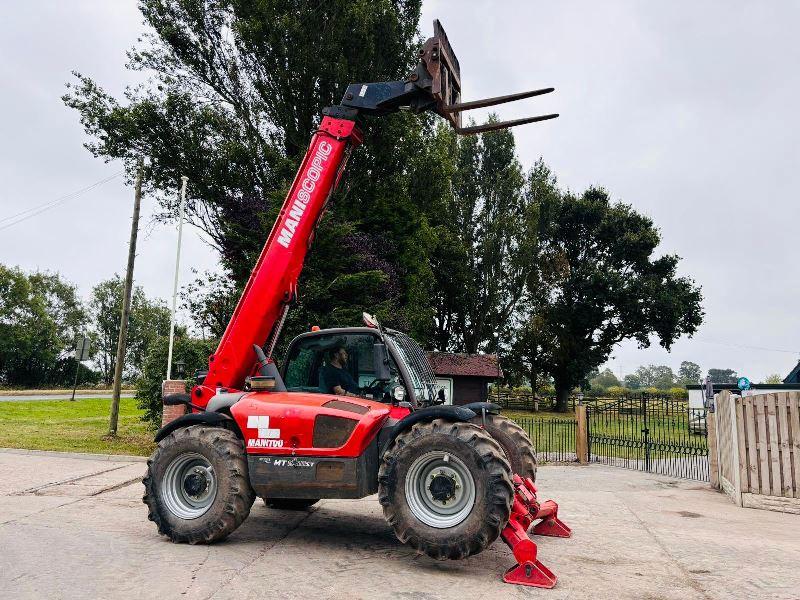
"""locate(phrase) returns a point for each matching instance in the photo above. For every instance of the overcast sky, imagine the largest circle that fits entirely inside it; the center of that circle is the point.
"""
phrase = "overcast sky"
(686, 110)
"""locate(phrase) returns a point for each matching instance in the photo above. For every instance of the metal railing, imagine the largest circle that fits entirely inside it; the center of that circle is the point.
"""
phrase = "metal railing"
(657, 435)
(554, 439)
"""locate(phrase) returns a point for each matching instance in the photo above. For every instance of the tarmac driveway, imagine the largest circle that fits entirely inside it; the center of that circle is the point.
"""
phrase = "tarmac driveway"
(76, 528)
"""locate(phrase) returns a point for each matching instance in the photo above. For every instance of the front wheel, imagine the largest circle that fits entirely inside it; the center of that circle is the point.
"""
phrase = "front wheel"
(445, 488)
(197, 488)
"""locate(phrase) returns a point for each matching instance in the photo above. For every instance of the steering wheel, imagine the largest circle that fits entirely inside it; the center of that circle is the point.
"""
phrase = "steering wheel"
(374, 389)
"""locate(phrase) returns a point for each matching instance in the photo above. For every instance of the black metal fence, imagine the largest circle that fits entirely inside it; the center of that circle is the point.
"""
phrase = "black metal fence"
(527, 401)
(554, 439)
(657, 435)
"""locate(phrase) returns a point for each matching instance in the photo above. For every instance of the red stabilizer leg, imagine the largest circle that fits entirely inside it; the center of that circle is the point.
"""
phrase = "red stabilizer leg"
(550, 525)
(528, 570)
(531, 574)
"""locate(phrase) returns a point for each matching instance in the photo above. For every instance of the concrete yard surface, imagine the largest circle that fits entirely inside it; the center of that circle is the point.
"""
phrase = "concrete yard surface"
(77, 528)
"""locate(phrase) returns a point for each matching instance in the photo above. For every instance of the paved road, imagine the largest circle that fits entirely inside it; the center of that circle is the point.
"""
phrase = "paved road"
(76, 528)
(25, 398)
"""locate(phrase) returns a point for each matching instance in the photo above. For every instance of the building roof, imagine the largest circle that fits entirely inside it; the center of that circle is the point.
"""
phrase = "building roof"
(794, 376)
(465, 365)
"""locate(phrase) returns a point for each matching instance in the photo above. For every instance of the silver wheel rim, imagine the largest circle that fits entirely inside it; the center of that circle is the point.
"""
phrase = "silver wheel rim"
(433, 476)
(189, 486)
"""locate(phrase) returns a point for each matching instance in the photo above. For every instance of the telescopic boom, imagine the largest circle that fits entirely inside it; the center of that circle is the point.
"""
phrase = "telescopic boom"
(434, 85)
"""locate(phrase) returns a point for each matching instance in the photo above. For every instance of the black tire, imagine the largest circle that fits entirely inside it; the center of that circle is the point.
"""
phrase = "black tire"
(491, 475)
(290, 503)
(233, 496)
(515, 443)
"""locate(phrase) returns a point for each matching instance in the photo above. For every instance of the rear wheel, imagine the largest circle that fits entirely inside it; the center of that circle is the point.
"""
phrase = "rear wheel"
(289, 503)
(515, 443)
(197, 488)
(445, 488)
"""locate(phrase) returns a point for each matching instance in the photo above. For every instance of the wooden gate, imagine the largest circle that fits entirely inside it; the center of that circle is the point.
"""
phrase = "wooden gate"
(756, 441)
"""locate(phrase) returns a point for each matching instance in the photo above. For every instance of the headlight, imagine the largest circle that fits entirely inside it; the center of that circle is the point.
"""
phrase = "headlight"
(399, 393)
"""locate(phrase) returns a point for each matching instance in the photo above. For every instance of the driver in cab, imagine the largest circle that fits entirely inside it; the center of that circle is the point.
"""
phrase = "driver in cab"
(334, 378)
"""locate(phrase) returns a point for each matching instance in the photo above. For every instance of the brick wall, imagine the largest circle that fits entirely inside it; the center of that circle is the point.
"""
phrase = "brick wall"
(170, 413)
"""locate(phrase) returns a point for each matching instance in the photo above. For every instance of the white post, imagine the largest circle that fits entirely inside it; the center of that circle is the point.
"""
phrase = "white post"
(184, 180)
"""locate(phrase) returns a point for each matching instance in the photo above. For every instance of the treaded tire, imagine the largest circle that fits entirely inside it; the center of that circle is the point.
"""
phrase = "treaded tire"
(233, 498)
(290, 503)
(514, 441)
(491, 473)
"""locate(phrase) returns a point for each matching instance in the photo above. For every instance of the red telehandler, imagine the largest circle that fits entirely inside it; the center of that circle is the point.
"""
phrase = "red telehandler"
(353, 411)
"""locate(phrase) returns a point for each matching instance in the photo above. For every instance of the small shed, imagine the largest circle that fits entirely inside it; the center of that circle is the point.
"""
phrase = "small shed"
(465, 378)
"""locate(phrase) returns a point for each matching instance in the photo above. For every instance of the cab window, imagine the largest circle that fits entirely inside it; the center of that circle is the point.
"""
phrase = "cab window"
(318, 364)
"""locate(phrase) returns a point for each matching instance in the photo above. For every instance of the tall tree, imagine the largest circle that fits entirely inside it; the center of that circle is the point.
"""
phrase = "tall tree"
(689, 373)
(598, 282)
(657, 376)
(604, 380)
(40, 315)
(148, 320)
(632, 381)
(722, 375)
(236, 92)
(487, 234)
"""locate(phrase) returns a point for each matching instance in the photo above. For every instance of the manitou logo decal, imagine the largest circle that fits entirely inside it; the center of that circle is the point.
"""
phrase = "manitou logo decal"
(267, 438)
(307, 186)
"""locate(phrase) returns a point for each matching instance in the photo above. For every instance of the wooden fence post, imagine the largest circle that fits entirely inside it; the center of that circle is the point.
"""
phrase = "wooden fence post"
(713, 456)
(581, 434)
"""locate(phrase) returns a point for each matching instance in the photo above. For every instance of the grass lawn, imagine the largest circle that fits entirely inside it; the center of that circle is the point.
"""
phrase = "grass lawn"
(78, 426)
(519, 415)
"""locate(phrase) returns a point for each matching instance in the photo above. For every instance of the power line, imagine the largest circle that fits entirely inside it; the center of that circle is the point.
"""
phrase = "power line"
(746, 347)
(37, 210)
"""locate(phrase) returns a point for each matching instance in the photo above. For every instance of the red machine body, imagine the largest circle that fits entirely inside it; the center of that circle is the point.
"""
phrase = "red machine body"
(282, 423)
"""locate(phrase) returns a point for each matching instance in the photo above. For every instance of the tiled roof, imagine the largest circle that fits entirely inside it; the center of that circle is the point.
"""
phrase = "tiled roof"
(469, 365)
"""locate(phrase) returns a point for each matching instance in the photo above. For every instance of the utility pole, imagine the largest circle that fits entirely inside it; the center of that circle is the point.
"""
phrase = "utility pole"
(184, 179)
(126, 304)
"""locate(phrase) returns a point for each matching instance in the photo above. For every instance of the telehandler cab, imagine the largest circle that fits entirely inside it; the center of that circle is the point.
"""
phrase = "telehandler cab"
(451, 479)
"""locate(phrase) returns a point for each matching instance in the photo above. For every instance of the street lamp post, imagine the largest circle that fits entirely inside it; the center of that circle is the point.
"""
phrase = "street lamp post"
(184, 180)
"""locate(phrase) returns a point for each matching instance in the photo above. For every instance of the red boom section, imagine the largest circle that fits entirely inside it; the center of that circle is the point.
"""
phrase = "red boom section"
(273, 281)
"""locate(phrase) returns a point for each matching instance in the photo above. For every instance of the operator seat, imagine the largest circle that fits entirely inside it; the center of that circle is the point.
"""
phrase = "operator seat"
(323, 386)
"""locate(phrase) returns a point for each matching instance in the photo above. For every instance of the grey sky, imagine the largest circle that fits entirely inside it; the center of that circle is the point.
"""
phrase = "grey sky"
(687, 110)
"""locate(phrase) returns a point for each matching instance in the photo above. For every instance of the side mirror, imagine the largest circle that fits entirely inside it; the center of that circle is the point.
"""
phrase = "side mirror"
(380, 361)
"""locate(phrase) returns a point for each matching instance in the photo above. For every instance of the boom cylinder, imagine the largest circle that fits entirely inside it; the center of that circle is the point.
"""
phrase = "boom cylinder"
(273, 281)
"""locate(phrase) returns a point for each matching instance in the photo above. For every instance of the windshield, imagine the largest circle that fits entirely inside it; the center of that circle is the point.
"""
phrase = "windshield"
(322, 363)
(419, 368)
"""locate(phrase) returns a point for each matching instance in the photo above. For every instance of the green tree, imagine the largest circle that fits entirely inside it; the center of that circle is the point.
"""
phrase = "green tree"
(722, 375)
(486, 235)
(656, 376)
(632, 381)
(28, 335)
(40, 316)
(148, 320)
(773, 379)
(236, 91)
(210, 300)
(689, 373)
(604, 380)
(528, 333)
(598, 282)
(192, 352)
